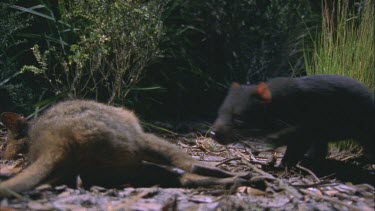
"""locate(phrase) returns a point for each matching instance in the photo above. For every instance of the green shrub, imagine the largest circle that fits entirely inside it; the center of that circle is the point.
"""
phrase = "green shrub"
(116, 41)
(88, 49)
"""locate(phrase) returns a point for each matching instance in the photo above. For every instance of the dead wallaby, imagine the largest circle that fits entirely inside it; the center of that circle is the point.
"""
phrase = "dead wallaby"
(303, 113)
(105, 145)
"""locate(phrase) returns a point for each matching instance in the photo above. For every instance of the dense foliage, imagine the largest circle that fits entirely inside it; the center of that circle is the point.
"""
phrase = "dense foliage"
(98, 51)
(161, 58)
(10, 24)
(210, 44)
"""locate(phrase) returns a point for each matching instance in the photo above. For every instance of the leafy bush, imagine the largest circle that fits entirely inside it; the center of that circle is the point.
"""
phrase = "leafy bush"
(92, 49)
(116, 40)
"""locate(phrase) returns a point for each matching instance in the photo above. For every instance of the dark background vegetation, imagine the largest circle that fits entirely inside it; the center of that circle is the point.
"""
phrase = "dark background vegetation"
(163, 59)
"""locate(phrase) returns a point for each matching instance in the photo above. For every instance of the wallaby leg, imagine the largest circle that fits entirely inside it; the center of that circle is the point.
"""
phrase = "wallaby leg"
(168, 176)
(206, 170)
(35, 174)
(194, 180)
(161, 152)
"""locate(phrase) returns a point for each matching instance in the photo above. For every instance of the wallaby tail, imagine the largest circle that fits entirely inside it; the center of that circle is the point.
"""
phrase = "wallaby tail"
(161, 152)
(32, 176)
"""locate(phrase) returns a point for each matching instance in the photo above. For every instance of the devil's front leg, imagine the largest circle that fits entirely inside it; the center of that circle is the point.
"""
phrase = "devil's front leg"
(297, 141)
(316, 153)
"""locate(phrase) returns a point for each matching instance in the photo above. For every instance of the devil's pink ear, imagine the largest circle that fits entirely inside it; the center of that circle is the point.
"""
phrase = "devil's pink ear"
(264, 92)
(235, 85)
(14, 122)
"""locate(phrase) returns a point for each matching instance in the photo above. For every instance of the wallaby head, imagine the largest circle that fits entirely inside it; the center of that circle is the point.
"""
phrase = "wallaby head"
(17, 140)
(244, 111)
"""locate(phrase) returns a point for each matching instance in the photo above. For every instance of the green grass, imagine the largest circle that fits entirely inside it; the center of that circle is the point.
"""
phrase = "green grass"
(345, 45)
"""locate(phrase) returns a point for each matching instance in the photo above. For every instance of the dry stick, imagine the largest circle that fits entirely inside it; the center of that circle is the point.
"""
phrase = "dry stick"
(315, 184)
(283, 185)
(308, 171)
(253, 159)
(227, 161)
(351, 207)
(249, 152)
(229, 152)
(327, 176)
(135, 198)
(349, 157)
(261, 178)
(257, 170)
(342, 153)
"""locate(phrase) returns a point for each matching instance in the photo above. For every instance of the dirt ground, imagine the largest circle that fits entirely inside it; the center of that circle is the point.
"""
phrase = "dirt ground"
(343, 183)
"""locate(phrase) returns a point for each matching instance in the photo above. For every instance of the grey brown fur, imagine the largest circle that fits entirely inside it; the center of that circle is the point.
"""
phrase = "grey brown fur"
(105, 145)
(303, 113)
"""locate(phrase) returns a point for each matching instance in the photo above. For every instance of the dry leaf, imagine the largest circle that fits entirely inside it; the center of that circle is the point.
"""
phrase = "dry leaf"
(330, 192)
(251, 191)
(34, 205)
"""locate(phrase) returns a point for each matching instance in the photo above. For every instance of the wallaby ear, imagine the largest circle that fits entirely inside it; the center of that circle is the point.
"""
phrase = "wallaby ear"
(235, 85)
(15, 123)
(264, 92)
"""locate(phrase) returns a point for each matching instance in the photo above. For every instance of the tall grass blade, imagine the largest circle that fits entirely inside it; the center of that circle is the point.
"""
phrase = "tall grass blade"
(345, 45)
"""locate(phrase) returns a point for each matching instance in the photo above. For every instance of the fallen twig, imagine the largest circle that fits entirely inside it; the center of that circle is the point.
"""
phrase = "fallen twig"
(328, 176)
(308, 171)
(314, 184)
(261, 178)
(257, 170)
(350, 157)
(127, 203)
(227, 161)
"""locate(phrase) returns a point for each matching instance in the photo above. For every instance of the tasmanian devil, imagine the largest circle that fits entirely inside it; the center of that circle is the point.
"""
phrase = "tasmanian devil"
(105, 145)
(303, 113)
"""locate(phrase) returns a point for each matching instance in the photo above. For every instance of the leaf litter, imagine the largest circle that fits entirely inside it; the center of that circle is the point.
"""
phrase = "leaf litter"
(272, 188)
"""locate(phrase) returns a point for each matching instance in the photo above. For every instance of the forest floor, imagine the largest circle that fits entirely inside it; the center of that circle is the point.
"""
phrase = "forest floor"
(343, 183)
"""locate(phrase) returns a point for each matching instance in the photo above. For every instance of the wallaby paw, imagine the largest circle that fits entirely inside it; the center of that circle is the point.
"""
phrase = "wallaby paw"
(206, 170)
